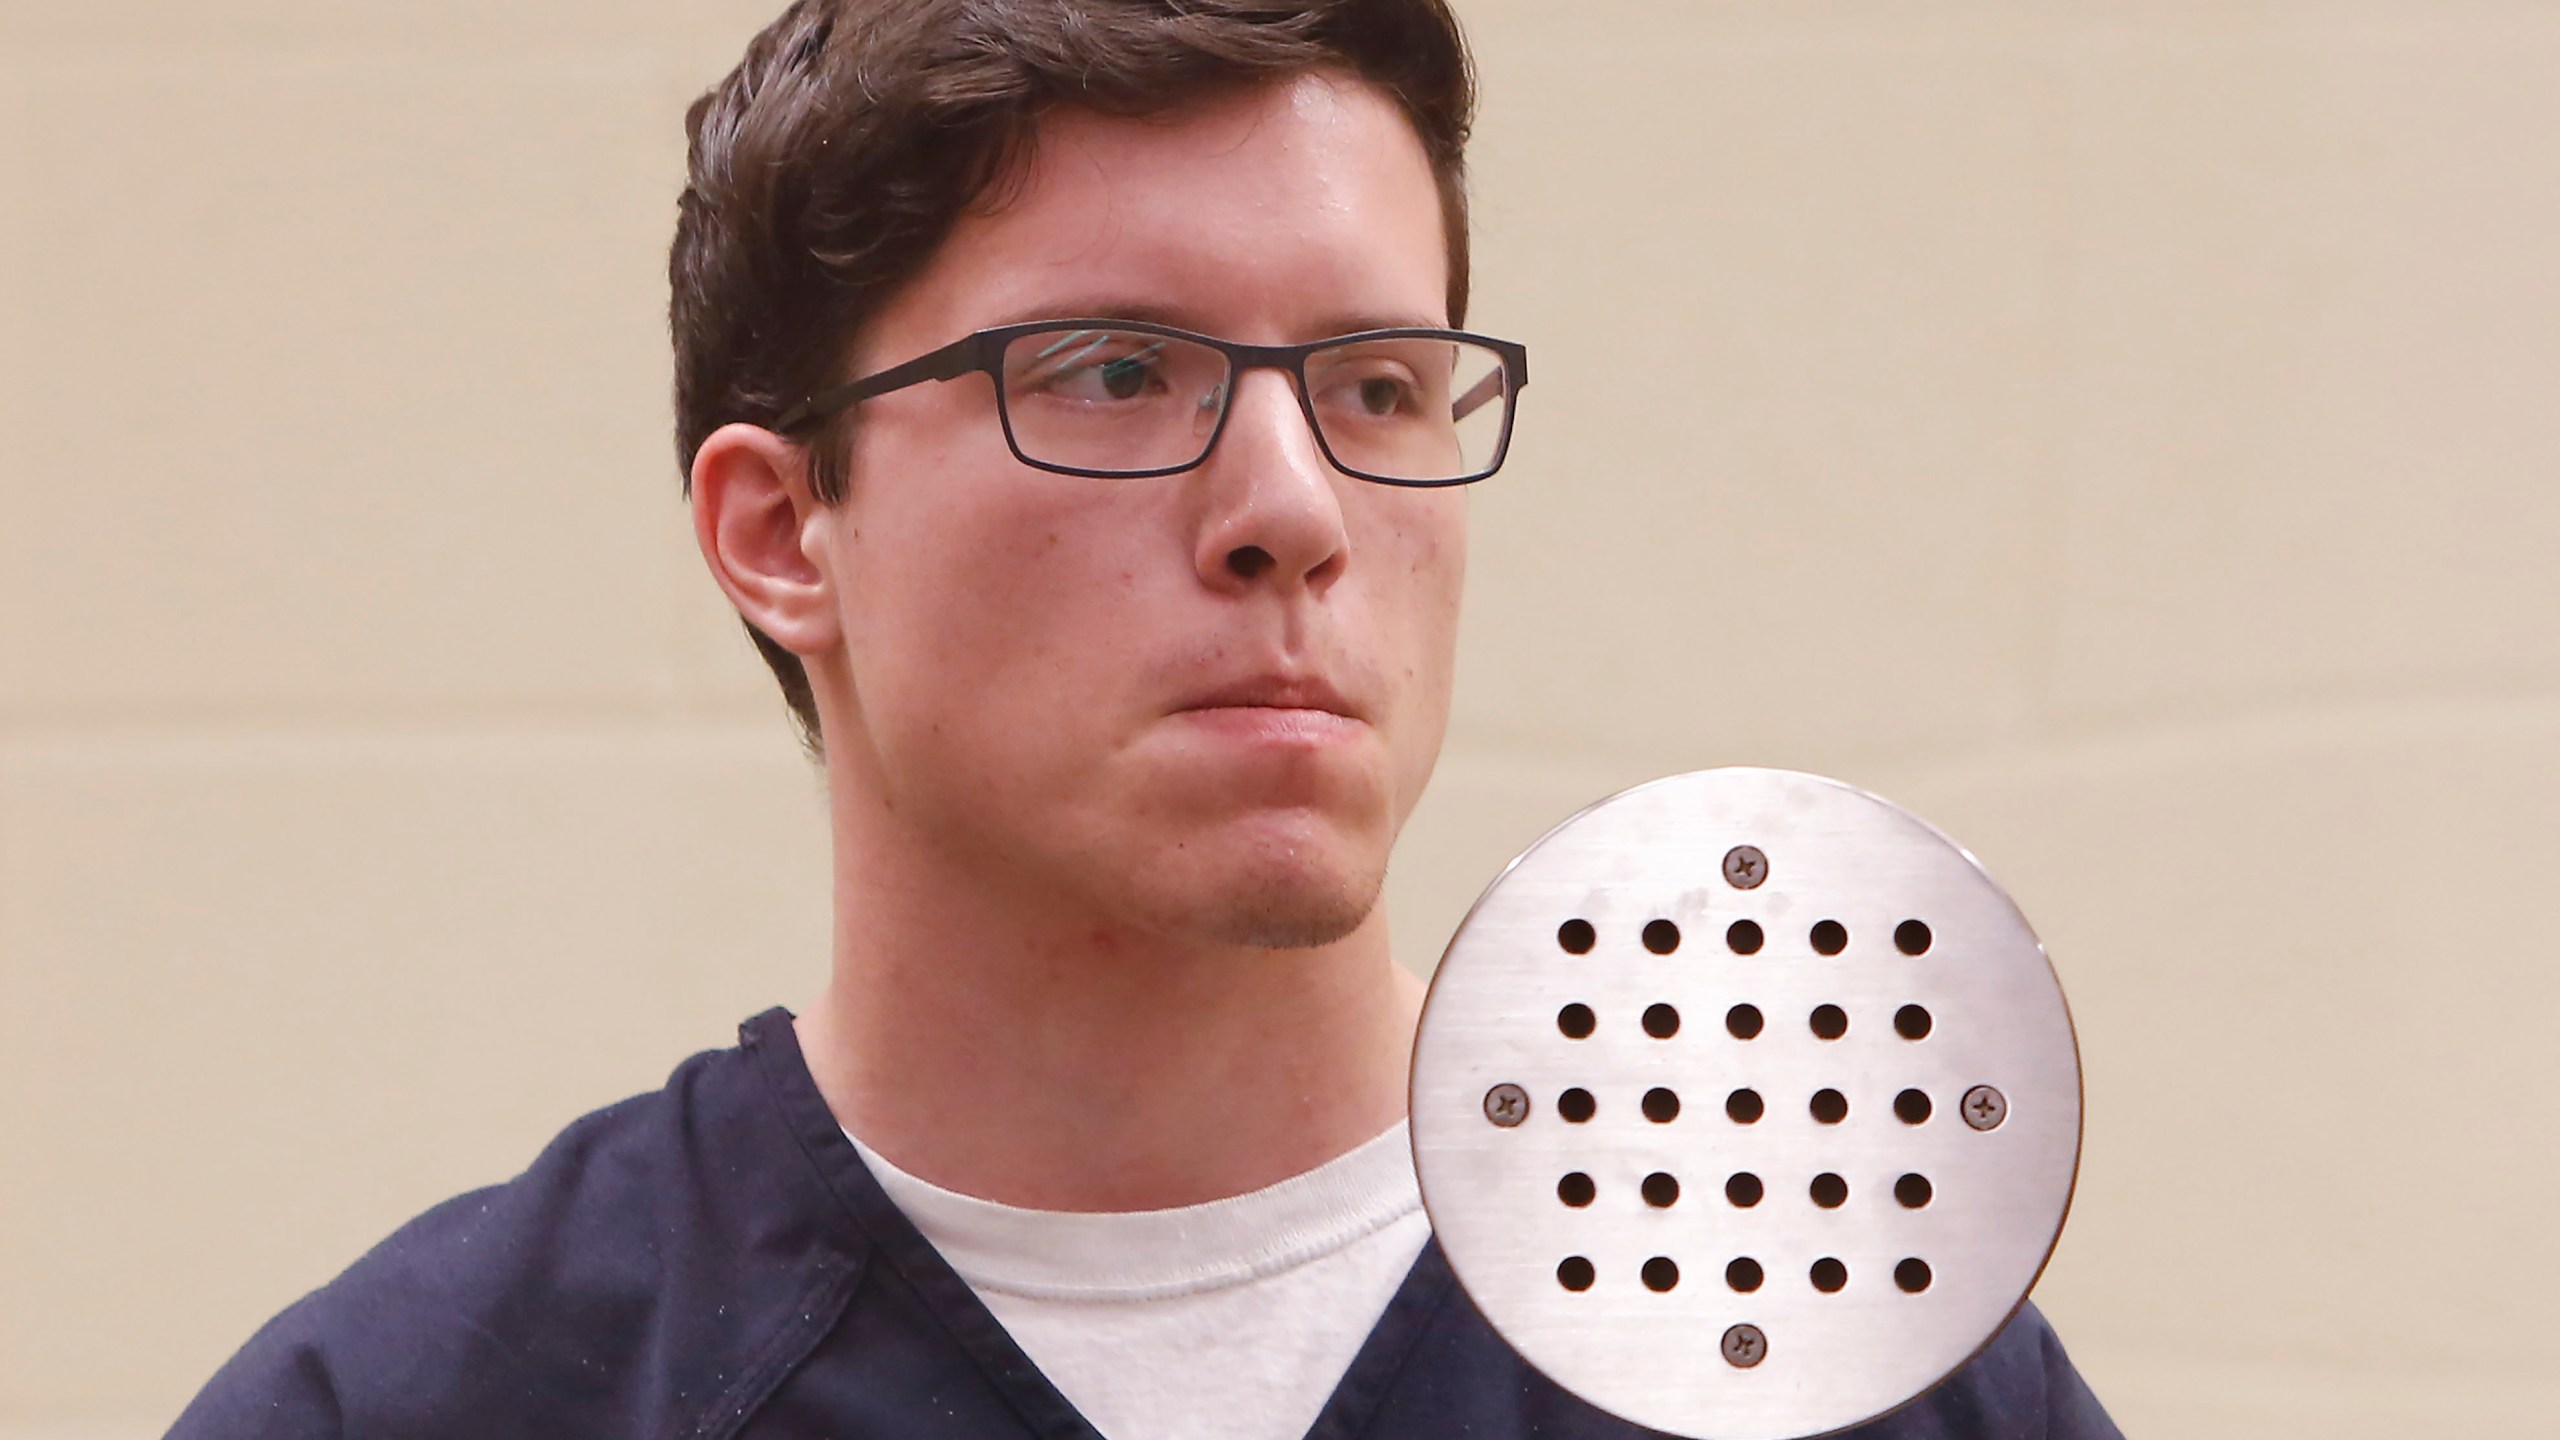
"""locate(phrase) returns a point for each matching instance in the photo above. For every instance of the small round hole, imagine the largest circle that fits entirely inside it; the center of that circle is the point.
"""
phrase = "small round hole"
(1743, 937)
(1742, 1021)
(1829, 1107)
(1829, 1022)
(1661, 1021)
(1576, 1021)
(1911, 937)
(1912, 1106)
(1661, 1191)
(1913, 1191)
(1744, 1275)
(1911, 1022)
(1661, 1106)
(1576, 936)
(1575, 1273)
(1661, 936)
(1660, 1274)
(1743, 1189)
(1576, 1105)
(1829, 1191)
(1912, 1275)
(1829, 1275)
(1576, 1190)
(1744, 1106)
(1829, 937)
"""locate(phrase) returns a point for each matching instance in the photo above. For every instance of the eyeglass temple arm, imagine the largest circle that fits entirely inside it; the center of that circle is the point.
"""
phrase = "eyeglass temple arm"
(1476, 396)
(948, 363)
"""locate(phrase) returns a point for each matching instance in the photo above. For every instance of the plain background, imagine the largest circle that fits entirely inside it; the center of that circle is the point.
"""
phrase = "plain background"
(2122, 432)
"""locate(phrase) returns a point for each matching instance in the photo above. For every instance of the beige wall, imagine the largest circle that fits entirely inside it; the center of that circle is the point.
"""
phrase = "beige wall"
(2123, 432)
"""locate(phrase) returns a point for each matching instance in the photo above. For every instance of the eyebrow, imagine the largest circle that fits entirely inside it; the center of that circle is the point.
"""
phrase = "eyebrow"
(1146, 312)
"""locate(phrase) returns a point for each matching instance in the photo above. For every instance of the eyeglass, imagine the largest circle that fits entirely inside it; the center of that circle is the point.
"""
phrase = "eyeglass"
(1125, 399)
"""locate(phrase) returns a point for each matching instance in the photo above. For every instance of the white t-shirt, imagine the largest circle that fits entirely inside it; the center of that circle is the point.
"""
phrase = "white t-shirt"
(1226, 1321)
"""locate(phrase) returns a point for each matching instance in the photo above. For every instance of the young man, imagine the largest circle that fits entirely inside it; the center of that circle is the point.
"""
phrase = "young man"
(1073, 414)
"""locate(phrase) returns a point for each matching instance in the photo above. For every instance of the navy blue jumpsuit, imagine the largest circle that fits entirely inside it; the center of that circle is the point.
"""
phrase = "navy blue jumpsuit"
(711, 1260)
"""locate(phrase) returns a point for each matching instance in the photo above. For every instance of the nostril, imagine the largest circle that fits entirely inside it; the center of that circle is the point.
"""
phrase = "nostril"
(1249, 561)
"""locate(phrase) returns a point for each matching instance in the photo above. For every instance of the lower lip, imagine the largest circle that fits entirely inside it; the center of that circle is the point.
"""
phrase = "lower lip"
(1274, 725)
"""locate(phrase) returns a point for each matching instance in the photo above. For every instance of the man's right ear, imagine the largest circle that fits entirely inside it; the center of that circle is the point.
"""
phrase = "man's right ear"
(752, 509)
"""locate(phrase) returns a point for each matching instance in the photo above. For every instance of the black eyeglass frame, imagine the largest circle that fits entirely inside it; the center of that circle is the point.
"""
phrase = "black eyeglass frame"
(982, 352)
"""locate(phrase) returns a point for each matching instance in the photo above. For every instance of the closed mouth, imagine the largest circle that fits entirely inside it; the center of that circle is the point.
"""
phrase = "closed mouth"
(1276, 692)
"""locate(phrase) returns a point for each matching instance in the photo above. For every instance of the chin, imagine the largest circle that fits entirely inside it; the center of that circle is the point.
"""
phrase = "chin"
(1292, 919)
(1277, 898)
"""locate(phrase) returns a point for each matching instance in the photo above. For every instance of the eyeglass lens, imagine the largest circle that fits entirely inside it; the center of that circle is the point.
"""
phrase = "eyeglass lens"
(1414, 409)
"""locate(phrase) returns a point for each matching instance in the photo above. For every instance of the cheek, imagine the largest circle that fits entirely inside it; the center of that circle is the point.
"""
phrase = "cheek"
(1429, 571)
(981, 617)
(1426, 541)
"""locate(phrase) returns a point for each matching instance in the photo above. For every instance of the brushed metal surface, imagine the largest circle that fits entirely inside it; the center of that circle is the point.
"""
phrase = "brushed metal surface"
(1830, 1337)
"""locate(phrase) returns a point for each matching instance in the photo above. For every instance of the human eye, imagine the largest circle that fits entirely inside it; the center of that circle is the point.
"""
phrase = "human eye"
(1373, 384)
(1384, 395)
(1093, 367)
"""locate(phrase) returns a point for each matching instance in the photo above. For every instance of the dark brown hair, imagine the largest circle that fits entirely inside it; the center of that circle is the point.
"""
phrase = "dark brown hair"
(830, 165)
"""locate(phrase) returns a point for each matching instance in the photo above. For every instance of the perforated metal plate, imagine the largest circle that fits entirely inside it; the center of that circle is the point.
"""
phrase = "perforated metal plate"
(1746, 1106)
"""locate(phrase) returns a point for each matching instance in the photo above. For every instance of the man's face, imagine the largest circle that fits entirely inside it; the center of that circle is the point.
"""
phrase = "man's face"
(1197, 706)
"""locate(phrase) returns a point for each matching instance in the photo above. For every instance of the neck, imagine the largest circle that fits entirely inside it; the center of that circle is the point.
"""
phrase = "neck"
(1055, 1062)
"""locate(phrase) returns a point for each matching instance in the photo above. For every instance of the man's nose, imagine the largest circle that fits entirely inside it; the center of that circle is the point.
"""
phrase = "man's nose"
(1273, 511)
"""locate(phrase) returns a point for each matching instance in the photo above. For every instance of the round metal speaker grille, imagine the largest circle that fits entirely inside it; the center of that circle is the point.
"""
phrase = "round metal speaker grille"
(1746, 1106)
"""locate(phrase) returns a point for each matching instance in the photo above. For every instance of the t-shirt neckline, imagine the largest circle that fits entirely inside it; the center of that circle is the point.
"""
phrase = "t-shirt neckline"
(1153, 1254)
